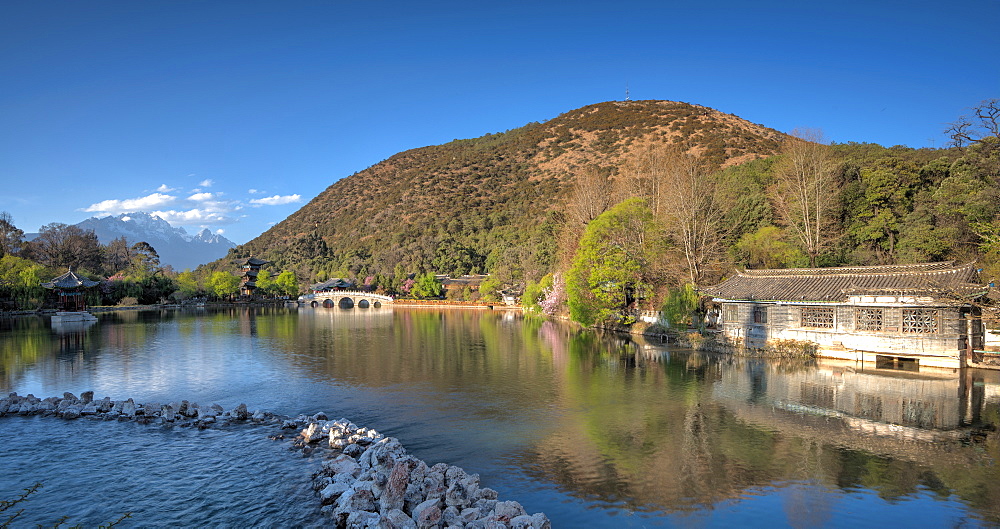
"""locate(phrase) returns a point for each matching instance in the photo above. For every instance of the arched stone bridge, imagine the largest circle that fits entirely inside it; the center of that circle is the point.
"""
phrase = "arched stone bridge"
(349, 299)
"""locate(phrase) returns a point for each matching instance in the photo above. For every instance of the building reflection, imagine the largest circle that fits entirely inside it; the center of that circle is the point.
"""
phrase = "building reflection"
(704, 429)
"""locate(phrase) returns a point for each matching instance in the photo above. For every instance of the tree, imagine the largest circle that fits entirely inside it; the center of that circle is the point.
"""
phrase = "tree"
(614, 265)
(10, 235)
(426, 286)
(61, 246)
(187, 284)
(265, 284)
(804, 192)
(117, 256)
(145, 260)
(887, 190)
(767, 248)
(983, 122)
(287, 283)
(591, 196)
(689, 210)
(223, 284)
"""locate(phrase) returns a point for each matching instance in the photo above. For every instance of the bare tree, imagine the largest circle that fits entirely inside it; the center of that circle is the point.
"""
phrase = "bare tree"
(593, 194)
(10, 235)
(972, 128)
(806, 191)
(688, 208)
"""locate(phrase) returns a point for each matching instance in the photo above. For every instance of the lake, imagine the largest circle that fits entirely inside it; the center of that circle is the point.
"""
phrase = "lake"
(595, 430)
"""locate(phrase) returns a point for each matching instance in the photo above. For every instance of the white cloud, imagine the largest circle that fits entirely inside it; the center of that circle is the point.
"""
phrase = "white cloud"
(194, 217)
(200, 197)
(206, 183)
(220, 231)
(276, 200)
(164, 188)
(254, 191)
(115, 206)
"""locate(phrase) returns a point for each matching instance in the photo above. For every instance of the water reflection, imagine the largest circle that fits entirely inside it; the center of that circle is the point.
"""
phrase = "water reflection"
(585, 426)
(685, 431)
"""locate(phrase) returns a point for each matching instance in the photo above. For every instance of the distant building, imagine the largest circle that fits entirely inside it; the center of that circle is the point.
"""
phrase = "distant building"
(333, 284)
(903, 316)
(249, 270)
(71, 291)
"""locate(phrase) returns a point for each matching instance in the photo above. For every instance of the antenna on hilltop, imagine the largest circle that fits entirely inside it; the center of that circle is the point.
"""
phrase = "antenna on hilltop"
(626, 93)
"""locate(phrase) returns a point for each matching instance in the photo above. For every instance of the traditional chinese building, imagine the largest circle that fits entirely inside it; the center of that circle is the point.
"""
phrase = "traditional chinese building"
(334, 284)
(71, 291)
(896, 315)
(249, 270)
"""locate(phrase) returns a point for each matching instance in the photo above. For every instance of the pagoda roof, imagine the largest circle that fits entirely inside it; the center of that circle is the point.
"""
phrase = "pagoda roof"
(70, 280)
(251, 261)
(938, 280)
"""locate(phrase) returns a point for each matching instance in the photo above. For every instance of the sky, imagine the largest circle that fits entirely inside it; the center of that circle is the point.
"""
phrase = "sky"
(232, 115)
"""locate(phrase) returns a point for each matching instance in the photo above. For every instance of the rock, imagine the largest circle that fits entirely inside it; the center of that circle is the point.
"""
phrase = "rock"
(397, 519)
(151, 409)
(487, 493)
(357, 498)
(87, 397)
(363, 520)
(353, 450)
(342, 465)
(128, 408)
(71, 413)
(383, 453)
(470, 514)
(332, 492)
(450, 517)
(319, 417)
(105, 405)
(505, 511)
(240, 412)
(259, 416)
(167, 413)
(312, 433)
(70, 397)
(395, 487)
(428, 514)
(89, 409)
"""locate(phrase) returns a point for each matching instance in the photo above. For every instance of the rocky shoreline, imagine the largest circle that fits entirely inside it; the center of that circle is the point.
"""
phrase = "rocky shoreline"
(366, 479)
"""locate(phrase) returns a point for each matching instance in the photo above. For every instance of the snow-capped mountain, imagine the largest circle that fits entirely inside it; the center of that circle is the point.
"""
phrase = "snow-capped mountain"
(176, 247)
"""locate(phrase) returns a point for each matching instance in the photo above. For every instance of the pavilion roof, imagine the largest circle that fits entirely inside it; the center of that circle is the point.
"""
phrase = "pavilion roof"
(251, 261)
(70, 280)
(939, 280)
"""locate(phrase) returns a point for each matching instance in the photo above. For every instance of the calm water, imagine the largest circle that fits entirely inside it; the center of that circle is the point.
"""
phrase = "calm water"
(594, 430)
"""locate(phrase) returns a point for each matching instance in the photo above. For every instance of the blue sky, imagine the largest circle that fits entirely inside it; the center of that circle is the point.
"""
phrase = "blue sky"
(231, 115)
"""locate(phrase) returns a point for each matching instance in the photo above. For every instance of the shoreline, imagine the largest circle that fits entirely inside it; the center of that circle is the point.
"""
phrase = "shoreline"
(366, 479)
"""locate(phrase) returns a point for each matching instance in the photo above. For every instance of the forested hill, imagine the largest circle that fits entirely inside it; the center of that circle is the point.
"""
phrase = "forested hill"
(493, 202)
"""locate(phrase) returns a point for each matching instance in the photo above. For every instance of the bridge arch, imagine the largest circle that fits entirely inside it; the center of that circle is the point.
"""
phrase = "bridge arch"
(363, 303)
(346, 302)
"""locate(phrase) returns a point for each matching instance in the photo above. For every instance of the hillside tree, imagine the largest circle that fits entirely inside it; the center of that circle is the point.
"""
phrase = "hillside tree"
(805, 192)
(10, 235)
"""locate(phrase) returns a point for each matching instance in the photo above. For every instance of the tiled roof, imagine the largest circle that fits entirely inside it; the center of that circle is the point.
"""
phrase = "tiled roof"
(943, 279)
(70, 280)
(251, 261)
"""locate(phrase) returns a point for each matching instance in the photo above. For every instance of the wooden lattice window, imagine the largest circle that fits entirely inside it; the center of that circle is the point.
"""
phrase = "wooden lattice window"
(868, 319)
(730, 313)
(759, 314)
(921, 321)
(817, 317)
